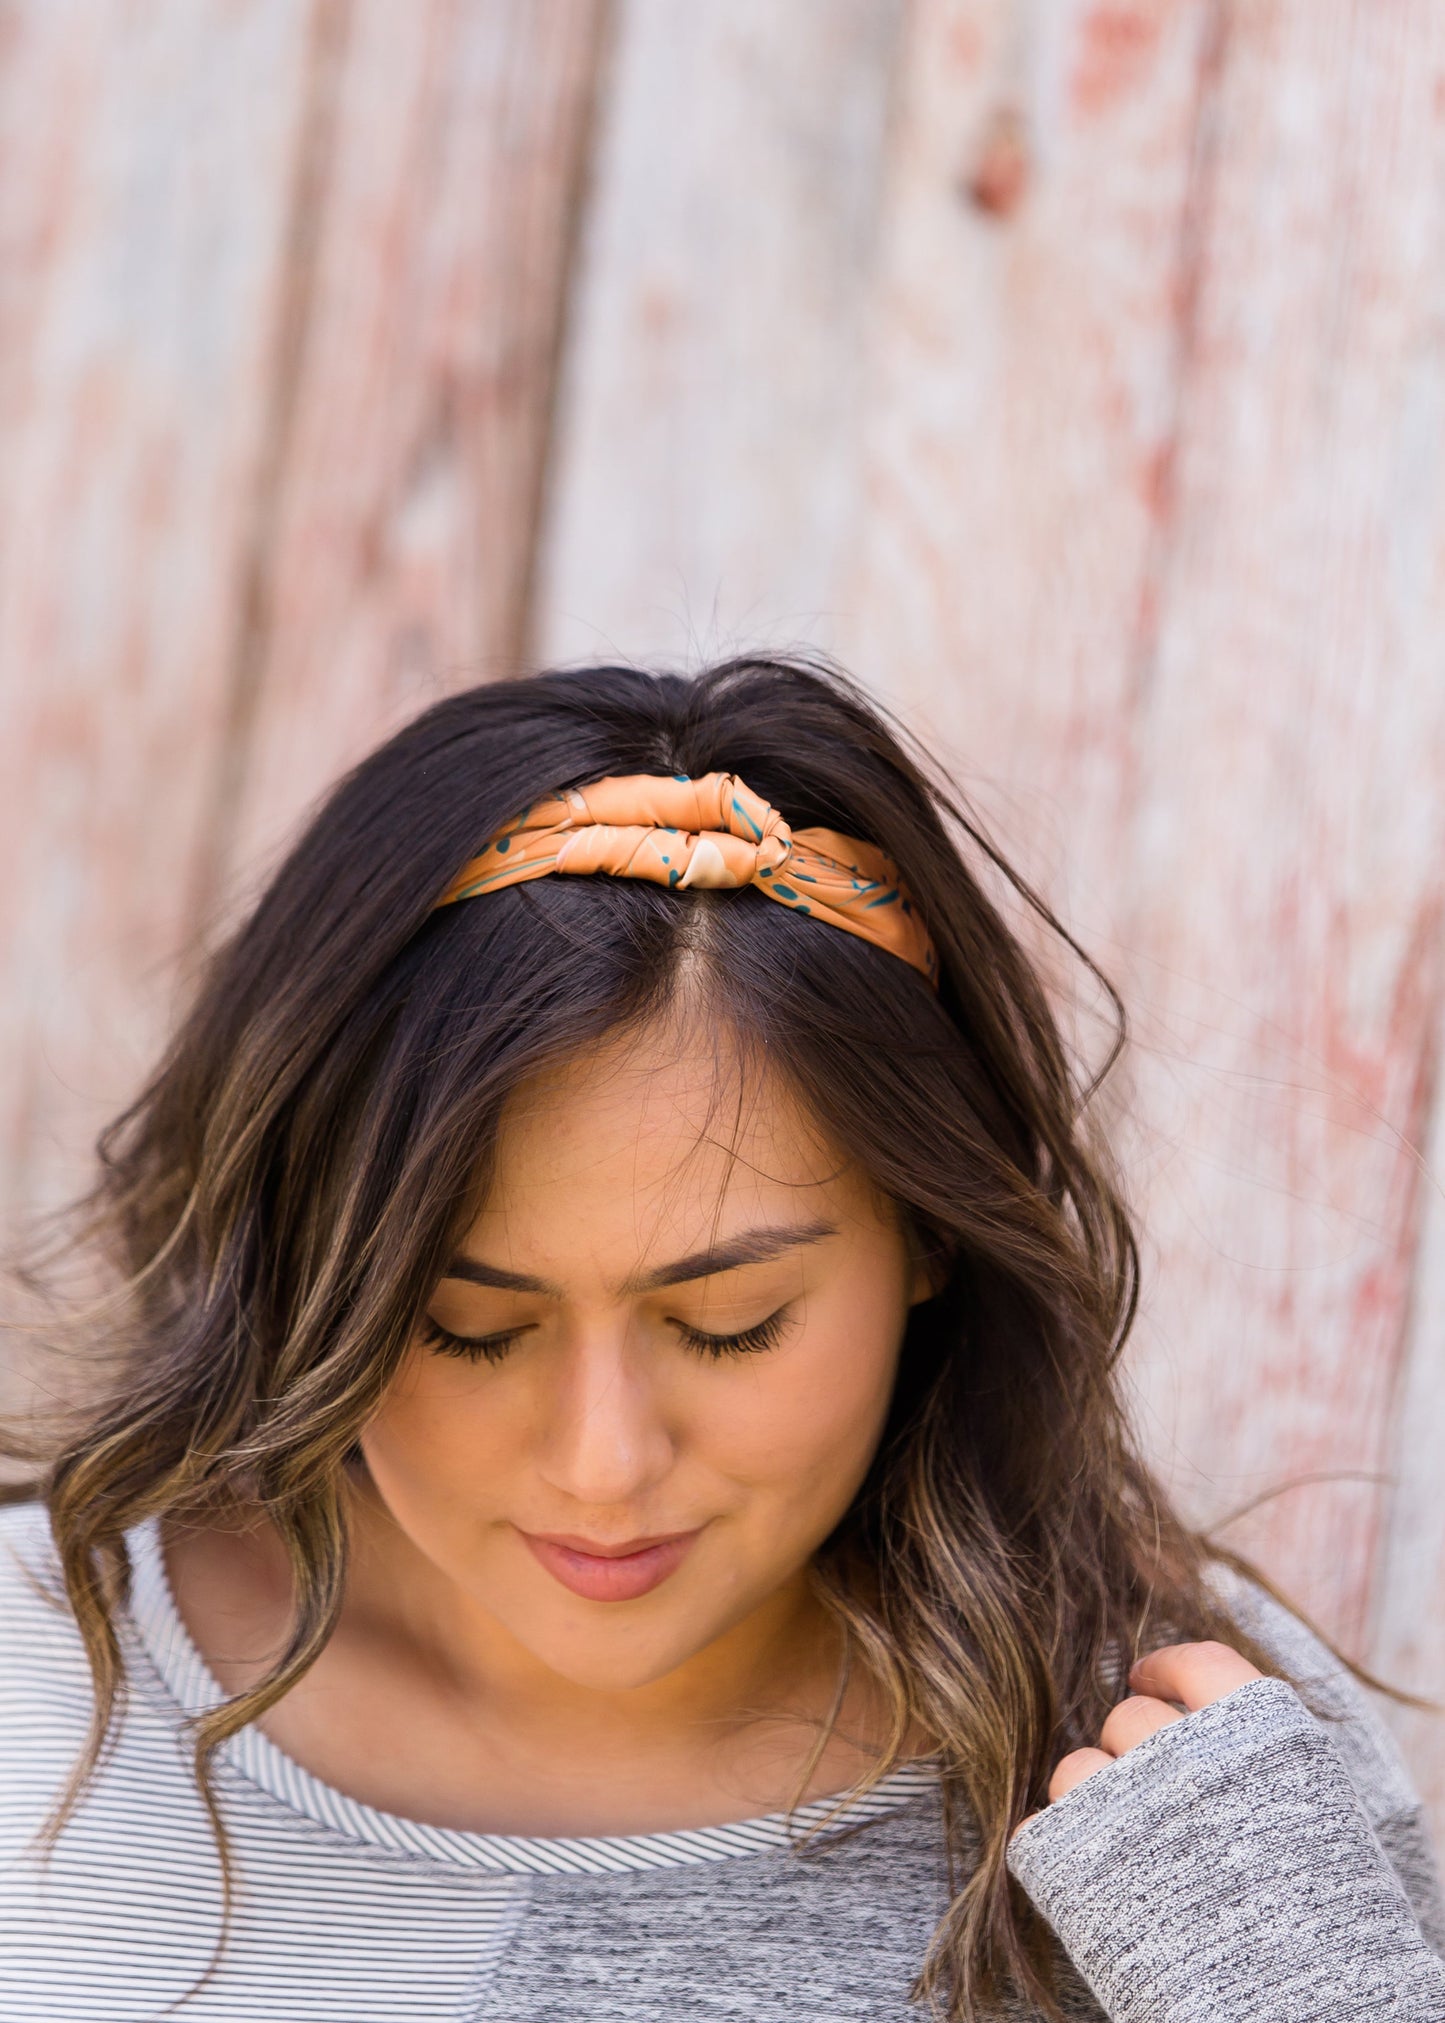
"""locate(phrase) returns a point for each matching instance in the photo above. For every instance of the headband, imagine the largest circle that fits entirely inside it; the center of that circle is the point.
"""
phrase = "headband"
(714, 831)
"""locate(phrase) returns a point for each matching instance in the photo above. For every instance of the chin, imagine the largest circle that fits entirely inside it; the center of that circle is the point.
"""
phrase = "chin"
(617, 1647)
(614, 1668)
(613, 1656)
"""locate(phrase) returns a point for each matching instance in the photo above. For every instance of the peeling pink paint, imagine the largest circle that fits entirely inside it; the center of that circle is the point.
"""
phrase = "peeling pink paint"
(1116, 47)
(1000, 175)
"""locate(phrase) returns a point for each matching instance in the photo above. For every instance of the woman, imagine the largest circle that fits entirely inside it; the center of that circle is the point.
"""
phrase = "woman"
(608, 1496)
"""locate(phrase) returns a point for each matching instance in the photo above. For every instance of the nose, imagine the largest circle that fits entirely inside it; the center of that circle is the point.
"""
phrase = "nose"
(604, 1438)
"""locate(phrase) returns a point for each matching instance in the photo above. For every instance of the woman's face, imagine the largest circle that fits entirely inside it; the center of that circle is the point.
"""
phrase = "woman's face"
(657, 1370)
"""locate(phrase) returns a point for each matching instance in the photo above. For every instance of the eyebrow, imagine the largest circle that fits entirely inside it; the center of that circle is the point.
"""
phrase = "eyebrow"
(749, 1246)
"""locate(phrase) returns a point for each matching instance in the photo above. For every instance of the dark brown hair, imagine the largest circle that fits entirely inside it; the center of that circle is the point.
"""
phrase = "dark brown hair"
(280, 1201)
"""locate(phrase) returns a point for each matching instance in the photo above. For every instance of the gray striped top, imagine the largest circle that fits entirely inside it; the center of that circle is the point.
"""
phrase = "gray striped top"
(1252, 1860)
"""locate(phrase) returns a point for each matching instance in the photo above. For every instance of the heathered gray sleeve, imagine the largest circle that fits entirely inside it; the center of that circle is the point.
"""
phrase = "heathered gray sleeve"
(1249, 1861)
(1370, 1752)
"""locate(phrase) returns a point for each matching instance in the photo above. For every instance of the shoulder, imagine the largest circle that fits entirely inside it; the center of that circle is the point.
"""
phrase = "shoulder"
(46, 1694)
(41, 1646)
(30, 1582)
(1331, 1692)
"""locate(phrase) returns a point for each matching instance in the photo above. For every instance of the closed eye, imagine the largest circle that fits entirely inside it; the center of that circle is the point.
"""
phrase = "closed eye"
(471, 1348)
(750, 1342)
(753, 1341)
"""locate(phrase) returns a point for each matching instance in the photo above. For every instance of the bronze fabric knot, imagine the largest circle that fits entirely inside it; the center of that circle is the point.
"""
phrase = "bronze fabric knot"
(710, 832)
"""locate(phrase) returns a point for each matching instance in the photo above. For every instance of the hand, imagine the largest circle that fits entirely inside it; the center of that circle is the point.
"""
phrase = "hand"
(1169, 1683)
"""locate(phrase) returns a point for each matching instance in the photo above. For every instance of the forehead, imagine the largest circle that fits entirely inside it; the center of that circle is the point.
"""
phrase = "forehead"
(674, 1101)
(653, 1139)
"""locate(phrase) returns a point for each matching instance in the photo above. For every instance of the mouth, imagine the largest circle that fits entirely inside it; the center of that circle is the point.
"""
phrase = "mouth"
(610, 1573)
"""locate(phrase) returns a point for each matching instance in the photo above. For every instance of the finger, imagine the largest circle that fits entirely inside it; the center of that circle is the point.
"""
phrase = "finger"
(1193, 1674)
(1074, 1768)
(1132, 1720)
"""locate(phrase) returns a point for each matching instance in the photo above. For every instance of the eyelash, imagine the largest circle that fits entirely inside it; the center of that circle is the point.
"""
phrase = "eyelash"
(752, 1341)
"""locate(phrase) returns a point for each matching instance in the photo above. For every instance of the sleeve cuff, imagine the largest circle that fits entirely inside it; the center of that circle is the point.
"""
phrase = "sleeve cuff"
(1224, 1869)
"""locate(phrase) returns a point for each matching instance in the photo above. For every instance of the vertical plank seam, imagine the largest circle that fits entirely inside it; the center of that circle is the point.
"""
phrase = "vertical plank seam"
(311, 169)
(1195, 215)
(523, 642)
(849, 560)
(1426, 1093)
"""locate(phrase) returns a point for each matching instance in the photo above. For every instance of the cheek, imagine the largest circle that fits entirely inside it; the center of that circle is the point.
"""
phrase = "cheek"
(441, 1441)
(804, 1425)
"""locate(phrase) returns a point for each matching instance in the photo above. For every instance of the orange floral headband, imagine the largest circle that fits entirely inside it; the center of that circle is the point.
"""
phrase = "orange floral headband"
(712, 831)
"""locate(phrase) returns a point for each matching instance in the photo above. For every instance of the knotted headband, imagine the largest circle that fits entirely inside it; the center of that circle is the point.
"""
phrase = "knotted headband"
(713, 831)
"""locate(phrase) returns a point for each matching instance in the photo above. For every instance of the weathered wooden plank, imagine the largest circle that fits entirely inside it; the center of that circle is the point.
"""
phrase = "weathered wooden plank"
(147, 159)
(1407, 1644)
(398, 557)
(1023, 405)
(1150, 542)
(1287, 868)
(707, 457)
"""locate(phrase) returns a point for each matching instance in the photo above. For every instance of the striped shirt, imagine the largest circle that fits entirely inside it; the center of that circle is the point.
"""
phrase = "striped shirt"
(1260, 1860)
(343, 1911)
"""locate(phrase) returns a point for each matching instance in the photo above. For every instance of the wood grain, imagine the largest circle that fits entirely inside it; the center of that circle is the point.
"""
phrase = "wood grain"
(398, 551)
(1407, 1641)
(146, 166)
(1149, 545)
(707, 446)
(1286, 840)
(1023, 406)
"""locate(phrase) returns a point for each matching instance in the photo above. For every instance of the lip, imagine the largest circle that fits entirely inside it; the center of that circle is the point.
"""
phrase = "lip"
(610, 1573)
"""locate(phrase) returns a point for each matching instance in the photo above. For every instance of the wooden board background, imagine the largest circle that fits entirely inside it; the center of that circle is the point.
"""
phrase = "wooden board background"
(1074, 371)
